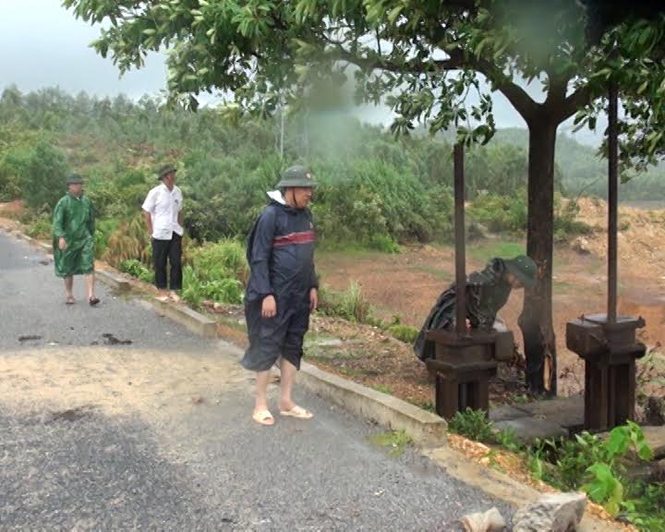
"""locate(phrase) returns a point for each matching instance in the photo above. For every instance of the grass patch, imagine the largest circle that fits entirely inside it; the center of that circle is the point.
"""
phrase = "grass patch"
(504, 249)
(559, 287)
(428, 406)
(404, 333)
(350, 372)
(444, 275)
(397, 441)
(383, 389)
(350, 305)
(472, 424)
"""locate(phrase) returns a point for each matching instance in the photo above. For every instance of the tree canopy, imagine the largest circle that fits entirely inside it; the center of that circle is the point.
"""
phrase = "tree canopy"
(425, 55)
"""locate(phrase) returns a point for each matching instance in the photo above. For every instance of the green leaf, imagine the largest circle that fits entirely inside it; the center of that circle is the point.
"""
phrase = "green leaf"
(394, 13)
(479, 49)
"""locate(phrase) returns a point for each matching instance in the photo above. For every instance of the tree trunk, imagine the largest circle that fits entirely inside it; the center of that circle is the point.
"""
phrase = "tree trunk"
(536, 318)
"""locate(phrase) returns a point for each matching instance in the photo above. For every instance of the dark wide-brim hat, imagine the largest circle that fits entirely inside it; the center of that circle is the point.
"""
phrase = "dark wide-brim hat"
(296, 176)
(524, 269)
(74, 179)
(166, 169)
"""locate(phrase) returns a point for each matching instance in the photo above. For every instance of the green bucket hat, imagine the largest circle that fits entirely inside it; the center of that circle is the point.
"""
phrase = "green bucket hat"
(166, 169)
(524, 269)
(74, 179)
(296, 176)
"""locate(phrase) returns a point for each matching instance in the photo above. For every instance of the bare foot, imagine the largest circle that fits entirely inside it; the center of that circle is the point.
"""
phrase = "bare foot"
(70, 300)
(297, 412)
(285, 406)
(175, 297)
(162, 296)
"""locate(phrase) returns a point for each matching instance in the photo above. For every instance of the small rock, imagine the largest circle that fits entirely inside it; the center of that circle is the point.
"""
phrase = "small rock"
(556, 512)
(489, 521)
(197, 400)
(581, 245)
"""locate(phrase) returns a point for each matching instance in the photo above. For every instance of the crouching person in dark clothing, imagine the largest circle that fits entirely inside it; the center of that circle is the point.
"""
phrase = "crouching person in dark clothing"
(487, 292)
(282, 290)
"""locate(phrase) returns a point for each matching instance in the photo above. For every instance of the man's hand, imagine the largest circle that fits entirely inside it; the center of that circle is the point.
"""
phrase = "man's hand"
(62, 244)
(313, 299)
(148, 222)
(269, 307)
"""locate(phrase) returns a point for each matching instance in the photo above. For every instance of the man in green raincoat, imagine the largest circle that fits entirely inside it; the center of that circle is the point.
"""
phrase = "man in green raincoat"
(73, 239)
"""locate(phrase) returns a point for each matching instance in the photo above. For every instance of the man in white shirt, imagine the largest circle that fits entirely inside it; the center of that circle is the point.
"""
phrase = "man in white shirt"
(162, 211)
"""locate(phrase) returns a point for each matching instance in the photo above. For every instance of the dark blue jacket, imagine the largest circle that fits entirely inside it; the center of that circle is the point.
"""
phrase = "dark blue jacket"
(280, 253)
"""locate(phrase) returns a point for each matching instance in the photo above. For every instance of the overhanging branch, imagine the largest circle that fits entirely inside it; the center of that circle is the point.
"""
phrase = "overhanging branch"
(516, 95)
(576, 101)
(454, 62)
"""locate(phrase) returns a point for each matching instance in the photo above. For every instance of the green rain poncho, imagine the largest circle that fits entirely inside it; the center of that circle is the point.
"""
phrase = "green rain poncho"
(73, 219)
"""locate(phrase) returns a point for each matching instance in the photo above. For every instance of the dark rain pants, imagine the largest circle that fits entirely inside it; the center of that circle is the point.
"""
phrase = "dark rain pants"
(282, 335)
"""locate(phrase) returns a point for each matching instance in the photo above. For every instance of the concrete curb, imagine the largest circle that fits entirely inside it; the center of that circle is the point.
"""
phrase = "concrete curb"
(192, 320)
(425, 428)
(113, 279)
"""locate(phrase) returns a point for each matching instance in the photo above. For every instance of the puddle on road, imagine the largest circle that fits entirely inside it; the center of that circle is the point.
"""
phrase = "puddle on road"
(71, 414)
(29, 337)
(110, 339)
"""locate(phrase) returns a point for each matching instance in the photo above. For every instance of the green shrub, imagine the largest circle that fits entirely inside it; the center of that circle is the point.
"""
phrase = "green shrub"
(220, 260)
(500, 214)
(472, 424)
(136, 269)
(117, 191)
(350, 305)
(41, 226)
(40, 172)
(103, 231)
(215, 272)
(405, 333)
(590, 463)
(566, 223)
(192, 288)
(9, 186)
(644, 506)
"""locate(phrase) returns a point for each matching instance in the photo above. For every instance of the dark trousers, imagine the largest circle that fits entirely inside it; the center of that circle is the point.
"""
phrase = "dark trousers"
(171, 250)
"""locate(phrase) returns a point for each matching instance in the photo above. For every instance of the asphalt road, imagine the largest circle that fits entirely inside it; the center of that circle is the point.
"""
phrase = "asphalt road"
(156, 434)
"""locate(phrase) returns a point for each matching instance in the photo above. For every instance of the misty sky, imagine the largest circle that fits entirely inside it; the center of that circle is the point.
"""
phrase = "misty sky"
(43, 45)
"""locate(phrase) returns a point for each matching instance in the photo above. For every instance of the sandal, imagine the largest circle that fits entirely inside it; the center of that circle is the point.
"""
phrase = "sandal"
(297, 412)
(70, 300)
(263, 417)
(93, 301)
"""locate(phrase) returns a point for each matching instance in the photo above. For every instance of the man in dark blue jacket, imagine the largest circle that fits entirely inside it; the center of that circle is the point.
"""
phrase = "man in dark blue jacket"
(282, 290)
